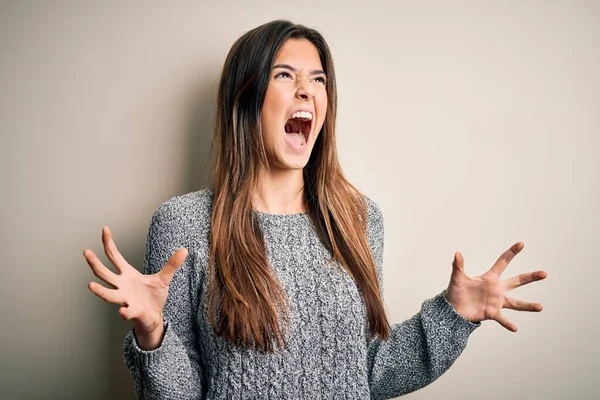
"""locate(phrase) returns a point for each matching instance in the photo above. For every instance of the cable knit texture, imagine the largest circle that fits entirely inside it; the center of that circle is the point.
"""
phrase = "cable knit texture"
(329, 353)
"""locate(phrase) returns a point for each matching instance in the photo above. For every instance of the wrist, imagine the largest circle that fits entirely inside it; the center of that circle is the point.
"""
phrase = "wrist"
(149, 337)
(457, 308)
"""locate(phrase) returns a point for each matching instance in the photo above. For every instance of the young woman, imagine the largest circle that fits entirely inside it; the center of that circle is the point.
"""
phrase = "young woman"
(268, 284)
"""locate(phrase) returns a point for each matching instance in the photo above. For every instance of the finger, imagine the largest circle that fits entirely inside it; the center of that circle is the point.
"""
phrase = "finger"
(106, 294)
(502, 320)
(125, 313)
(458, 264)
(110, 248)
(99, 269)
(166, 274)
(519, 305)
(506, 257)
(524, 279)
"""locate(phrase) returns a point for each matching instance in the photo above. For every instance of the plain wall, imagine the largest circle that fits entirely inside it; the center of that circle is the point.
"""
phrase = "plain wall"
(473, 124)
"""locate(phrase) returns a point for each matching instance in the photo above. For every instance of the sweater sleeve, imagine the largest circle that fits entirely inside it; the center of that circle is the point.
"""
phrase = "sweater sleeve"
(172, 371)
(419, 349)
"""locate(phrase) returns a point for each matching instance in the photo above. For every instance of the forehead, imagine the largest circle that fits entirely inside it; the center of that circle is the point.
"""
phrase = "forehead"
(300, 54)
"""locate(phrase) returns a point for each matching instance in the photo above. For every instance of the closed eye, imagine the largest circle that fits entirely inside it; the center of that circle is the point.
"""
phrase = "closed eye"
(283, 74)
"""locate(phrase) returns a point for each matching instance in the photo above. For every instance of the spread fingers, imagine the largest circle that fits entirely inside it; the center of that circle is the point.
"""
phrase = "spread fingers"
(502, 320)
(110, 248)
(519, 305)
(524, 279)
(99, 269)
(106, 294)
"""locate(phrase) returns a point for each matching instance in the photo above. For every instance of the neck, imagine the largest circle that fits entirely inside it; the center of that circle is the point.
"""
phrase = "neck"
(279, 192)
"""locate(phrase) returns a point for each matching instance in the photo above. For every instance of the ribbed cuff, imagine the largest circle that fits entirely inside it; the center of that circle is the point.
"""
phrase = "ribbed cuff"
(145, 358)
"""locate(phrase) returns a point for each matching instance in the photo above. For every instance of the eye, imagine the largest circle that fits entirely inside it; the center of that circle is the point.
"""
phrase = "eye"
(282, 74)
(321, 79)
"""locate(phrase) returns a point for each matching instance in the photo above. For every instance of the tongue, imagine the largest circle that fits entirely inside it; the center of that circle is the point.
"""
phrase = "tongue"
(293, 132)
(297, 139)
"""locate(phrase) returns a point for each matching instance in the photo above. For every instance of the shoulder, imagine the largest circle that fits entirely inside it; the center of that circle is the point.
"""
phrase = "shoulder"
(186, 207)
(186, 216)
(375, 227)
(374, 213)
(375, 222)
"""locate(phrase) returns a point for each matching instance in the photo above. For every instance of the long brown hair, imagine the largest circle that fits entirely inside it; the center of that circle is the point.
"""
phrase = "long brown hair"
(247, 305)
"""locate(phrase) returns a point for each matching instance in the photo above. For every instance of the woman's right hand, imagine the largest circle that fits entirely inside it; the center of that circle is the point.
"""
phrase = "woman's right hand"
(141, 297)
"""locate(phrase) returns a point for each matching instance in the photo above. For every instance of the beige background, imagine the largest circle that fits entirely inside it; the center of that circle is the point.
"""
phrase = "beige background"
(473, 124)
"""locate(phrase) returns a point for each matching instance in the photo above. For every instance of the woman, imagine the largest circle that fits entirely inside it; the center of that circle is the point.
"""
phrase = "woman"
(268, 284)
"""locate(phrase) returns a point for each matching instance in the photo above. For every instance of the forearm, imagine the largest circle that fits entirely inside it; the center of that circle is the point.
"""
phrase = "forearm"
(167, 372)
(419, 350)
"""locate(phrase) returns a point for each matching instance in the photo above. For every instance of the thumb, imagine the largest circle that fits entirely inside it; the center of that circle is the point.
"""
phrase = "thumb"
(458, 264)
(176, 260)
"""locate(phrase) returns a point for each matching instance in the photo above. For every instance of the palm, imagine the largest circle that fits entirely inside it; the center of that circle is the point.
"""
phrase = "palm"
(145, 296)
(483, 297)
(141, 297)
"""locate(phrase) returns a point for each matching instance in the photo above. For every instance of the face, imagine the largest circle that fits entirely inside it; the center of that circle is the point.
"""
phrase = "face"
(295, 105)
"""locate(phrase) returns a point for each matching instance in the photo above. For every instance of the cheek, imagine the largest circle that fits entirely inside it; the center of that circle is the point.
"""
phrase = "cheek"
(267, 117)
(267, 130)
(322, 109)
(272, 110)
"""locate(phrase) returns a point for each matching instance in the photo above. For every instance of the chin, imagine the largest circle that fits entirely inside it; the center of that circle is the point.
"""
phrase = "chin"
(294, 164)
(293, 161)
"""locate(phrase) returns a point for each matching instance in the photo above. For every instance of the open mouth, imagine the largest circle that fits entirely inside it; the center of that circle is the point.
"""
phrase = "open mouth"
(298, 128)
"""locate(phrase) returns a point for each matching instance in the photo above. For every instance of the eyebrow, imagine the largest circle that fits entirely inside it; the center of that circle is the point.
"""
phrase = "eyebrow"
(286, 66)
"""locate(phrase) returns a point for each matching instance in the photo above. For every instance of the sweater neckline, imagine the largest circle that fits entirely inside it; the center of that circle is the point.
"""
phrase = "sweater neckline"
(265, 215)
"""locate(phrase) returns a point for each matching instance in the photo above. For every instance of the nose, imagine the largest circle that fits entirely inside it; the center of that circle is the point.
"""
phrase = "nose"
(305, 90)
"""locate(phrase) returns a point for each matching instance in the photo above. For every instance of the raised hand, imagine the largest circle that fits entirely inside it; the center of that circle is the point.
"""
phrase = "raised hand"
(141, 297)
(483, 297)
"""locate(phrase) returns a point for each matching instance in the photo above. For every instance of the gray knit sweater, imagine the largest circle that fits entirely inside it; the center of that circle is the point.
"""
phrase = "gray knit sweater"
(329, 353)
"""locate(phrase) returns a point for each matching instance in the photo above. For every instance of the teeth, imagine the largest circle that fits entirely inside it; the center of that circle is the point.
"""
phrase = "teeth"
(303, 114)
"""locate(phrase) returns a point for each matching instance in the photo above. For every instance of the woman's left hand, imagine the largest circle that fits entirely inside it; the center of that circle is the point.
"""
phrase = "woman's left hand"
(483, 297)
